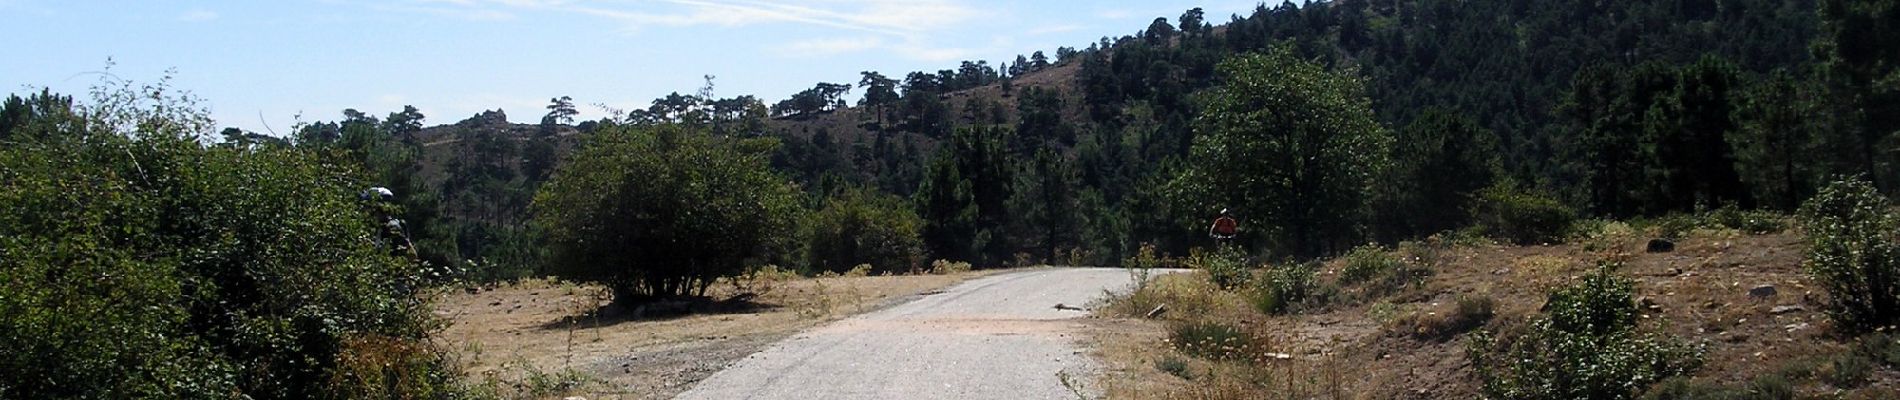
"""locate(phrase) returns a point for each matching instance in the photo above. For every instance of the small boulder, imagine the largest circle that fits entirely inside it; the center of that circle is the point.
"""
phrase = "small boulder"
(1786, 309)
(1761, 292)
(1660, 246)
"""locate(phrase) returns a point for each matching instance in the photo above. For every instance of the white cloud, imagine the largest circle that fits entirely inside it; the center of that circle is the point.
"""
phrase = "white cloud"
(823, 47)
(198, 16)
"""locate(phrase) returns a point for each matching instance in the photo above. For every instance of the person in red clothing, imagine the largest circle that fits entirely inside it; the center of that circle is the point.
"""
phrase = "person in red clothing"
(1224, 228)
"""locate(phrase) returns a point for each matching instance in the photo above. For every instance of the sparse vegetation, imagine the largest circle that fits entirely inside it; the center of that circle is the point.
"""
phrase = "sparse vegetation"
(1225, 265)
(1853, 252)
(1585, 346)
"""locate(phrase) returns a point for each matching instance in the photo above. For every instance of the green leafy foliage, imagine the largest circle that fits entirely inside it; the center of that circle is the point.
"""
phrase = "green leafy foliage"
(1226, 266)
(664, 210)
(1290, 145)
(1439, 164)
(1852, 252)
(136, 261)
(1585, 347)
(861, 226)
(1290, 288)
(1522, 217)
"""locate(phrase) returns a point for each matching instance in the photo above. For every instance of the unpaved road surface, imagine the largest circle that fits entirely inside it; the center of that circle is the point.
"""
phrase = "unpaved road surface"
(997, 337)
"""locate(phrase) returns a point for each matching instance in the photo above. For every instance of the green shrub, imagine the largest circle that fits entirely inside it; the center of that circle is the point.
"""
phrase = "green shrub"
(136, 261)
(1852, 252)
(1765, 387)
(664, 211)
(1883, 348)
(1377, 272)
(1174, 366)
(1753, 222)
(1225, 266)
(1366, 262)
(1212, 340)
(1847, 370)
(865, 227)
(1584, 347)
(1522, 217)
(1288, 288)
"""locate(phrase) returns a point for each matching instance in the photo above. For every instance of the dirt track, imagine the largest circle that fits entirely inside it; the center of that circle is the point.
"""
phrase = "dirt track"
(997, 337)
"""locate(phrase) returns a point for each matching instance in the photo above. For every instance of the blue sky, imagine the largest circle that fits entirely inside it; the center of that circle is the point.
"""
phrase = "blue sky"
(261, 63)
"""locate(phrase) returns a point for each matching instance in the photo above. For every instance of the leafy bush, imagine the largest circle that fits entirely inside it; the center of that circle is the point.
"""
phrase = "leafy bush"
(1366, 262)
(1753, 222)
(136, 261)
(1212, 340)
(1853, 253)
(865, 227)
(1288, 288)
(1522, 217)
(1225, 266)
(1584, 347)
(664, 211)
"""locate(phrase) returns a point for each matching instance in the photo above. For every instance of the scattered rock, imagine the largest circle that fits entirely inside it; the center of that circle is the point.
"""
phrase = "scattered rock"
(1786, 309)
(1501, 271)
(1672, 271)
(1648, 303)
(1763, 291)
(1796, 326)
(1060, 306)
(1660, 246)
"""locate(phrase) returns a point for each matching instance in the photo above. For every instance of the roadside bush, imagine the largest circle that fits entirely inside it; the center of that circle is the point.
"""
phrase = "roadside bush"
(1753, 222)
(136, 261)
(1585, 346)
(1225, 266)
(664, 211)
(1291, 288)
(1372, 271)
(1212, 340)
(946, 267)
(1853, 253)
(1522, 217)
(865, 227)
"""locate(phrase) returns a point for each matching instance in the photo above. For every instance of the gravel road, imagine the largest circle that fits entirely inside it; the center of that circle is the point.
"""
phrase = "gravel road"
(996, 337)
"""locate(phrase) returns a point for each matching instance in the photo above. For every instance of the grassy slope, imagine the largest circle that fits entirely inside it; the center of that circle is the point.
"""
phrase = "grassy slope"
(1354, 347)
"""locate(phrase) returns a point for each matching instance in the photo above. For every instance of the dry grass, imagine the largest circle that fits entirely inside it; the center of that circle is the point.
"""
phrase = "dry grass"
(1410, 344)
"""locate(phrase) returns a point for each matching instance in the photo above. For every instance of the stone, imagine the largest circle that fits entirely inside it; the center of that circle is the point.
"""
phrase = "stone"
(1648, 304)
(1763, 291)
(1660, 246)
(1157, 311)
(1786, 309)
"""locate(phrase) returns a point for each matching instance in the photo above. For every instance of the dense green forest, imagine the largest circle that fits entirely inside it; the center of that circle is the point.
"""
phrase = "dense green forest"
(1608, 110)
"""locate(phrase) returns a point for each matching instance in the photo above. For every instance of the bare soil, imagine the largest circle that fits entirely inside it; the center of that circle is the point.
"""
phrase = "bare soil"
(513, 332)
(1700, 293)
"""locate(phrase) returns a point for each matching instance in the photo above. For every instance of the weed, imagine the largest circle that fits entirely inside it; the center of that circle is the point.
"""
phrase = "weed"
(1212, 340)
(860, 271)
(1467, 313)
(1174, 366)
(947, 267)
(1365, 262)
(1225, 266)
(1847, 370)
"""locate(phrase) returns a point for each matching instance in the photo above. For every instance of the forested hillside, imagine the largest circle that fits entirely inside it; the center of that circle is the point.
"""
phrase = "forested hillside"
(1613, 110)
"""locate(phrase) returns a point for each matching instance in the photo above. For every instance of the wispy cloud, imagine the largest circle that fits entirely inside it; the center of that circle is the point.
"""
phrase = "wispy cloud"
(905, 21)
(823, 47)
(198, 16)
